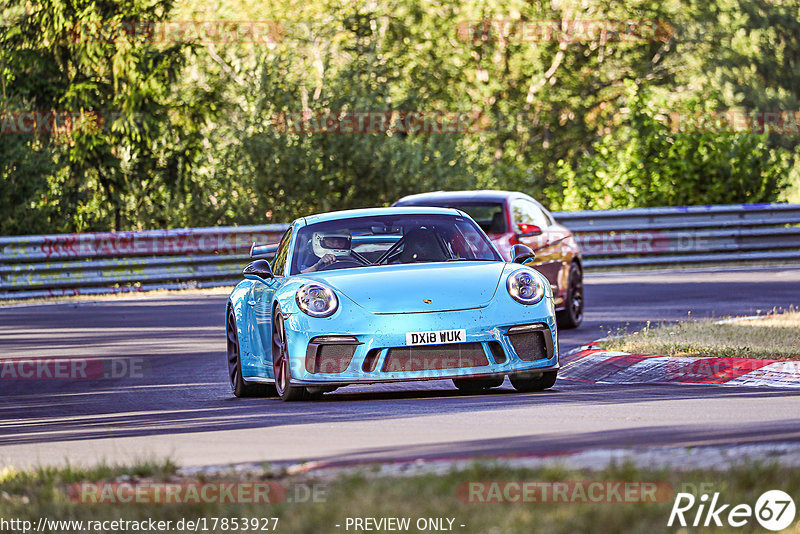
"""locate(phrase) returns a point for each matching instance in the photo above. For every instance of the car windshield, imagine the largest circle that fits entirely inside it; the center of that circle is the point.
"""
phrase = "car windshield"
(389, 240)
(490, 216)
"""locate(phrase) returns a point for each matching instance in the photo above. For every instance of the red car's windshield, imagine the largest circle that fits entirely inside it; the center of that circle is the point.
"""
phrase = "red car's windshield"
(490, 216)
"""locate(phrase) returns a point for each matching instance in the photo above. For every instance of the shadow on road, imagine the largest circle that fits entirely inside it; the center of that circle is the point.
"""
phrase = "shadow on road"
(104, 411)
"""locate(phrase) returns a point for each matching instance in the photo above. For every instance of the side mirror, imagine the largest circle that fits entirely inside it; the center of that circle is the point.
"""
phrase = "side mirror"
(528, 230)
(522, 254)
(258, 270)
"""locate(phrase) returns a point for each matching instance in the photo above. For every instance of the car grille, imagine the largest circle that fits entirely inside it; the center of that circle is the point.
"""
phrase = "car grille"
(435, 357)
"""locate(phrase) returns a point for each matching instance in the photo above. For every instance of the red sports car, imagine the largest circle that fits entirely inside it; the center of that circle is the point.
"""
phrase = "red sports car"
(511, 218)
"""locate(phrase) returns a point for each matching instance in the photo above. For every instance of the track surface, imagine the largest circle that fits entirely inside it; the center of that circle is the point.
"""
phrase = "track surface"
(181, 406)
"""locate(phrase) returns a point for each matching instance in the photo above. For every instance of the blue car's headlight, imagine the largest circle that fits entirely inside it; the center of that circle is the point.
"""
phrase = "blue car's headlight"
(525, 287)
(317, 300)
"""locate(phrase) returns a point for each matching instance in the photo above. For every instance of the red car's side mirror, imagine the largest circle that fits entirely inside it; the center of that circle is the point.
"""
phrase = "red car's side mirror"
(528, 230)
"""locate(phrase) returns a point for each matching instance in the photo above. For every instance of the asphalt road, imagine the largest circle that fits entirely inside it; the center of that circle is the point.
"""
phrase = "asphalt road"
(167, 395)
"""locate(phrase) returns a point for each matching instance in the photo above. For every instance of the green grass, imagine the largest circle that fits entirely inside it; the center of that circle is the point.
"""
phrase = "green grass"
(40, 493)
(776, 337)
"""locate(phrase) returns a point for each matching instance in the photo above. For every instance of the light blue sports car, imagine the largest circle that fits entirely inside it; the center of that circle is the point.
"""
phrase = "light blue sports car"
(387, 295)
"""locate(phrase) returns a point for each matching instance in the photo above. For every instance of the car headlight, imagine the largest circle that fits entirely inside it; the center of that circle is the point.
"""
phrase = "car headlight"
(317, 300)
(525, 287)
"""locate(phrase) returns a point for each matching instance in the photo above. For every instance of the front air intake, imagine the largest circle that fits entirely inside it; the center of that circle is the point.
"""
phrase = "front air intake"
(531, 342)
(330, 354)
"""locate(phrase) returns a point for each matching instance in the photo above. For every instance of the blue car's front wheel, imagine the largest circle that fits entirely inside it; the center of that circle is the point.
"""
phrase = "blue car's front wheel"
(281, 364)
(530, 381)
(238, 384)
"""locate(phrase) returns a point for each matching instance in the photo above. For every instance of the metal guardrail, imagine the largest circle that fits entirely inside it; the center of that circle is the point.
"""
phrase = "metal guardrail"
(121, 262)
(690, 235)
(116, 262)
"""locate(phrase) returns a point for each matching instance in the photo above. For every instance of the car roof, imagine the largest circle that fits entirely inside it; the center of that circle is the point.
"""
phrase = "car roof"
(486, 195)
(374, 212)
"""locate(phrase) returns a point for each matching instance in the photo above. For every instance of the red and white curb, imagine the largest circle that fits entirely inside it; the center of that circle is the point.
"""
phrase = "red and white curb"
(592, 364)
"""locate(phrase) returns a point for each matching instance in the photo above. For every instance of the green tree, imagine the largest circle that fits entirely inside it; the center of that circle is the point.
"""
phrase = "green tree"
(646, 163)
(188, 136)
(124, 157)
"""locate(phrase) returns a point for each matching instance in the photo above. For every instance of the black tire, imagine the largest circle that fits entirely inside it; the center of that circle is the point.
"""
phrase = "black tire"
(280, 363)
(476, 385)
(239, 386)
(572, 314)
(525, 383)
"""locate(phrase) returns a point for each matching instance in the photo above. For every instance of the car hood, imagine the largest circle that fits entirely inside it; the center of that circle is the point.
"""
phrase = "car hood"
(389, 289)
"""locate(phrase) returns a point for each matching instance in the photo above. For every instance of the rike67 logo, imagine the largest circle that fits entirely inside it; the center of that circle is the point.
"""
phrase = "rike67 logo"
(774, 510)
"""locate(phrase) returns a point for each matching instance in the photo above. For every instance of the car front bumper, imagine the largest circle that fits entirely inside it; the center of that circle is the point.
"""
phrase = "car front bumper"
(501, 339)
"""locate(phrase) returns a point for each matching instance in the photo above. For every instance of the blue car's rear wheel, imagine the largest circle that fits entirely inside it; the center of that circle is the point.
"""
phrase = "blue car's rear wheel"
(238, 384)
(281, 364)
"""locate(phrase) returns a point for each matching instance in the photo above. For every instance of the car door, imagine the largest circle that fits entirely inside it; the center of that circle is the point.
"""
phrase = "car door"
(261, 295)
(548, 260)
(559, 240)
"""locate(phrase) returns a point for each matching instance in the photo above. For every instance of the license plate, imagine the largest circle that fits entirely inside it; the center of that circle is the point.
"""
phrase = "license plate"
(436, 337)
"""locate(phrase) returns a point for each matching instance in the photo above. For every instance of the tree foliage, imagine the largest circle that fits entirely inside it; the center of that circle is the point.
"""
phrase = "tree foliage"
(646, 163)
(187, 131)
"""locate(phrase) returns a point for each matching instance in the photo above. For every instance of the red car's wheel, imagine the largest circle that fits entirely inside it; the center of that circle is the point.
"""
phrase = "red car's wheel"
(572, 314)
